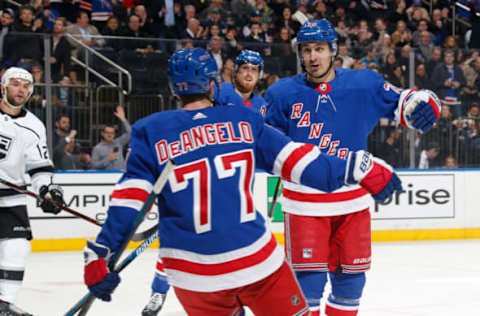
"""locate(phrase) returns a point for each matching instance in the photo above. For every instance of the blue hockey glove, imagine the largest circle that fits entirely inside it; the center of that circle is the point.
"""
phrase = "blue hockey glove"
(420, 109)
(99, 280)
(52, 198)
(373, 174)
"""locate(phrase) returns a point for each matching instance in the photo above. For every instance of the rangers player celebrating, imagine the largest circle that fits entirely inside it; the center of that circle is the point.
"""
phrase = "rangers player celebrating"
(217, 249)
(22, 148)
(335, 109)
(248, 71)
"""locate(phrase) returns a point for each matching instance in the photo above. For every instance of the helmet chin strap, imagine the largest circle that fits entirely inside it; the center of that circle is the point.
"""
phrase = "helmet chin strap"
(14, 107)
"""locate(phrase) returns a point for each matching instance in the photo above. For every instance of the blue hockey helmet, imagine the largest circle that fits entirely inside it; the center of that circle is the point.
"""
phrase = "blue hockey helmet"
(191, 70)
(247, 56)
(318, 31)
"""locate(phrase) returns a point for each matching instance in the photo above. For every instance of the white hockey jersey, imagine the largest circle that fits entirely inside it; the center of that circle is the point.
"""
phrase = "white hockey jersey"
(23, 147)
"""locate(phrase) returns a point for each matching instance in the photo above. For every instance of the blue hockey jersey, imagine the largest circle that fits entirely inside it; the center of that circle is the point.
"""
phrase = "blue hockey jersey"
(212, 237)
(337, 117)
(228, 96)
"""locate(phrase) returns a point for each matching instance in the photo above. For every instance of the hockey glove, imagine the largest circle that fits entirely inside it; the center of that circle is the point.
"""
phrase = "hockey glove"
(52, 198)
(373, 174)
(99, 280)
(420, 109)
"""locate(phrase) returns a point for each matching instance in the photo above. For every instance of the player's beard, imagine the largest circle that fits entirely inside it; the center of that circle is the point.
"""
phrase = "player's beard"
(245, 86)
(14, 103)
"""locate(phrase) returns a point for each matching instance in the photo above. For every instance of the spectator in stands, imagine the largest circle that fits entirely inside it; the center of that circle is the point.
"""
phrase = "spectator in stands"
(193, 31)
(380, 32)
(167, 23)
(390, 149)
(26, 49)
(449, 80)
(108, 154)
(145, 24)
(60, 51)
(422, 26)
(133, 31)
(398, 14)
(417, 9)
(255, 17)
(226, 73)
(214, 4)
(83, 31)
(371, 56)
(7, 17)
(471, 70)
(189, 13)
(428, 156)
(66, 151)
(402, 35)
(265, 11)
(112, 28)
(444, 133)
(450, 162)
(404, 59)
(232, 45)
(422, 81)
(435, 59)
(344, 54)
(450, 43)
(425, 47)
(215, 49)
(343, 33)
(286, 21)
(283, 49)
(320, 12)
(438, 27)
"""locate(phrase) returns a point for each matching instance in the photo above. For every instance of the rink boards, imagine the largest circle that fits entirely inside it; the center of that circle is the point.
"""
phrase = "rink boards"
(436, 205)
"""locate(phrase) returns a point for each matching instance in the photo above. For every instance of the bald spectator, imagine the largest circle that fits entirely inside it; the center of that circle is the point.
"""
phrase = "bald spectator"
(133, 30)
(193, 31)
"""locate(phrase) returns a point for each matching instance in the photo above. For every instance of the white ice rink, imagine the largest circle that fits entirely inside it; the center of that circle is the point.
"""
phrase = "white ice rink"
(407, 279)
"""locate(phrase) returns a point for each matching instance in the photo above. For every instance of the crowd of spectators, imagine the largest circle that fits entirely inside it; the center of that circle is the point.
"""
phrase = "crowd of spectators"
(380, 35)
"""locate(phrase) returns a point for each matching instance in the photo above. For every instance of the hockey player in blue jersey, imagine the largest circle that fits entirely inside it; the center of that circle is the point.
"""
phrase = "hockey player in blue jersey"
(247, 73)
(217, 249)
(335, 109)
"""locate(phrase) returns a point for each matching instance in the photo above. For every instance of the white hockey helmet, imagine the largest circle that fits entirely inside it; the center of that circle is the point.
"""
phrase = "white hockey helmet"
(16, 73)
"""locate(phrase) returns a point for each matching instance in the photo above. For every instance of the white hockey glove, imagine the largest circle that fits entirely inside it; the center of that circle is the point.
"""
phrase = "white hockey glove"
(373, 174)
(418, 109)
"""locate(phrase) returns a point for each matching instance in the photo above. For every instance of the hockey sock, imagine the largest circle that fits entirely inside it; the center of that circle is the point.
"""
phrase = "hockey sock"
(346, 292)
(312, 284)
(13, 258)
(160, 284)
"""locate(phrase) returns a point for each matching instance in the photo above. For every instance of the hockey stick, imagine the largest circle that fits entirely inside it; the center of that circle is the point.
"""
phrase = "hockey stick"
(85, 303)
(137, 237)
(125, 262)
(275, 196)
(38, 197)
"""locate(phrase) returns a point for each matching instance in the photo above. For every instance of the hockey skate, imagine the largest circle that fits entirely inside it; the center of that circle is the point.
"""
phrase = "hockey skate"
(8, 309)
(155, 304)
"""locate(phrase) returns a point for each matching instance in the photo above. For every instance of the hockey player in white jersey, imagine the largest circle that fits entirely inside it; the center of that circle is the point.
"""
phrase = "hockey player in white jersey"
(23, 148)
